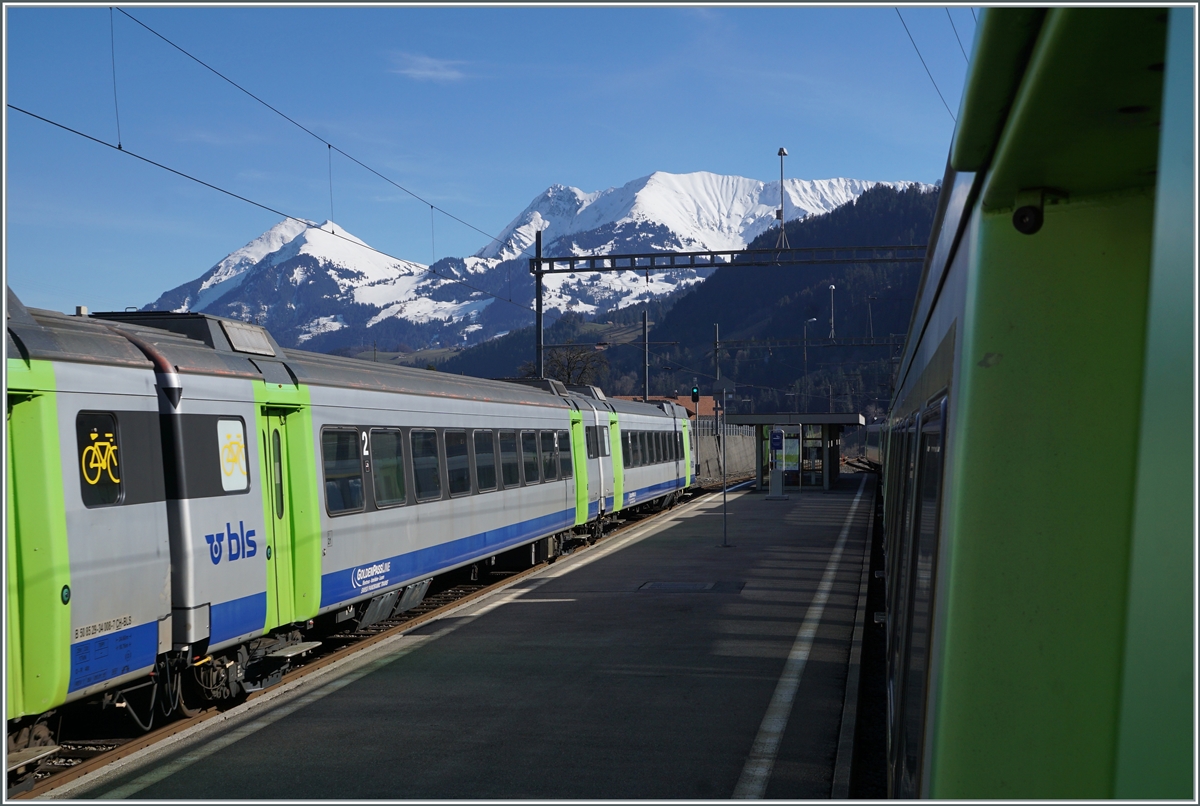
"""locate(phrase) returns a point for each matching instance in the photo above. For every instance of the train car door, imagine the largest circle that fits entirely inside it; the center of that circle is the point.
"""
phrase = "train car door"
(604, 448)
(598, 454)
(277, 496)
(37, 622)
(581, 466)
(616, 462)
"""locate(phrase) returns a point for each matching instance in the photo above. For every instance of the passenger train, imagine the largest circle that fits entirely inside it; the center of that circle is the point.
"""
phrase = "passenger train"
(1038, 454)
(188, 501)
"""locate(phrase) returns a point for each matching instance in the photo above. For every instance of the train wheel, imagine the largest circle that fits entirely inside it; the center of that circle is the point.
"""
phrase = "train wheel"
(188, 691)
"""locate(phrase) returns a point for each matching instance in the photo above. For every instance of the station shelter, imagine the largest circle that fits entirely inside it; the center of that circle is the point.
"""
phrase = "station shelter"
(811, 446)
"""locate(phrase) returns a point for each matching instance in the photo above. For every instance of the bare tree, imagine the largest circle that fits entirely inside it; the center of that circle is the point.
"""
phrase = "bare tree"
(575, 365)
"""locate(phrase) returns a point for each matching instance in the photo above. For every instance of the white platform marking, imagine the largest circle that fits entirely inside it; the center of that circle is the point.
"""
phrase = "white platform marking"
(757, 772)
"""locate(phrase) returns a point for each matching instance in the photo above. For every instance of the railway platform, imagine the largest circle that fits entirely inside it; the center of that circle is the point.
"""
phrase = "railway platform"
(656, 664)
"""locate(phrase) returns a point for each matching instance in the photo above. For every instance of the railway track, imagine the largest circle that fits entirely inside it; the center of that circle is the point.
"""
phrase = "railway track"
(77, 757)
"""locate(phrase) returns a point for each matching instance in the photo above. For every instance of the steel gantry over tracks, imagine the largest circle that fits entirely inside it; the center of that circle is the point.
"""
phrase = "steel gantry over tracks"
(540, 265)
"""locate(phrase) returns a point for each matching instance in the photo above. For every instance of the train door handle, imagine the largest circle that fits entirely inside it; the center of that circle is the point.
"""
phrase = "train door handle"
(268, 552)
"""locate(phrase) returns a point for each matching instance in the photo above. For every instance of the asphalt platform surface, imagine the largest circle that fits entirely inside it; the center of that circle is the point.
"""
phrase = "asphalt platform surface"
(641, 668)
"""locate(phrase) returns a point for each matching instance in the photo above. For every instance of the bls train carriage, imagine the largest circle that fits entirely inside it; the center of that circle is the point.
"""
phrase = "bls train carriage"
(189, 503)
(1038, 468)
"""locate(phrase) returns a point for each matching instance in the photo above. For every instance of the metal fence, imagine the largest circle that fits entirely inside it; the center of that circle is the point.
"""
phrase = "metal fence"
(707, 427)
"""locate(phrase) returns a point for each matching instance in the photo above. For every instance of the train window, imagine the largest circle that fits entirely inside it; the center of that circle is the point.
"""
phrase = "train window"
(485, 461)
(605, 445)
(99, 471)
(626, 453)
(509, 461)
(231, 442)
(565, 468)
(643, 448)
(919, 606)
(277, 469)
(529, 456)
(679, 445)
(387, 450)
(458, 468)
(342, 459)
(658, 447)
(589, 435)
(549, 460)
(901, 563)
(427, 477)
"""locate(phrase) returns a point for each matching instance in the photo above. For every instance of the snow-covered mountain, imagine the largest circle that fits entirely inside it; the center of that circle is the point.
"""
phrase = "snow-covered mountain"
(317, 286)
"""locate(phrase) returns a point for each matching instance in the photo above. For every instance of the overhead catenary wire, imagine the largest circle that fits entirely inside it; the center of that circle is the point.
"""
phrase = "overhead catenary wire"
(922, 58)
(305, 129)
(260, 205)
(955, 29)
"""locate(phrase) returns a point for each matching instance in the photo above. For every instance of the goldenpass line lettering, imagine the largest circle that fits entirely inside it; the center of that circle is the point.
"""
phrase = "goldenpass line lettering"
(371, 577)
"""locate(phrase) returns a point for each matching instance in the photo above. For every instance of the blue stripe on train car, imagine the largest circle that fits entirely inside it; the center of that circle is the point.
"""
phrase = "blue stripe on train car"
(352, 583)
(608, 504)
(112, 655)
(237, 617)
(654, 490)
(593, 509)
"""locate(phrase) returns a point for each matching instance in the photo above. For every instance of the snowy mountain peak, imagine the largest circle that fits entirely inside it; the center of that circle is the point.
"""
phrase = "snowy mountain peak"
(319, 286)
(703, 210)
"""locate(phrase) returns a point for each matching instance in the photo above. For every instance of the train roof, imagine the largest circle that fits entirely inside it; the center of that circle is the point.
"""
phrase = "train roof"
(196, 343)
(199, 343)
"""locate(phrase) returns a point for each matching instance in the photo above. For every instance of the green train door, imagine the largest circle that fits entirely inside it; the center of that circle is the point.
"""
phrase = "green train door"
(38, 613)
(278, 515)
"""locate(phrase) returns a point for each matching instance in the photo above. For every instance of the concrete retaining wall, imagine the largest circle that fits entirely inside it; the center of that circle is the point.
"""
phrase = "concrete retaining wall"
(739, 452)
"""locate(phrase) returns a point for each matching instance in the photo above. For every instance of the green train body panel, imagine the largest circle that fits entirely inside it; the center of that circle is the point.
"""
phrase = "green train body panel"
(294, 571)
(38, 624)
(579, 459)
(1057, 662)
(1155, 747)
(1038, 622)
(618, 461)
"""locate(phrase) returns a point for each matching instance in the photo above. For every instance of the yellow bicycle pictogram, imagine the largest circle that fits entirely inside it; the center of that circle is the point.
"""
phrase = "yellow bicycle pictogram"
(98, 458)
(233, 455)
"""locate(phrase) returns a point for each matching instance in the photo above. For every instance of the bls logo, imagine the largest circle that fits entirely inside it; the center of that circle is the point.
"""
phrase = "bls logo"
(241, 543)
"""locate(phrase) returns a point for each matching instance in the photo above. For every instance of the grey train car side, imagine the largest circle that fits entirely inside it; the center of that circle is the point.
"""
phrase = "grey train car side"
(279, 492)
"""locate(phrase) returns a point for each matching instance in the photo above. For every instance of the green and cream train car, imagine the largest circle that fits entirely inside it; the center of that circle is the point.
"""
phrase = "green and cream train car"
(1038, 463)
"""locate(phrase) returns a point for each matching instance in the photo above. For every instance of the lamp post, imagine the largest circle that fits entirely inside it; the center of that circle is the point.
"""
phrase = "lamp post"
(831, 287)
(807, 322)
(782, 243)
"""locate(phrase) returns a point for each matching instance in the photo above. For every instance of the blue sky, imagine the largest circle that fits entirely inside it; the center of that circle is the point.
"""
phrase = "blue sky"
(476, 110)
